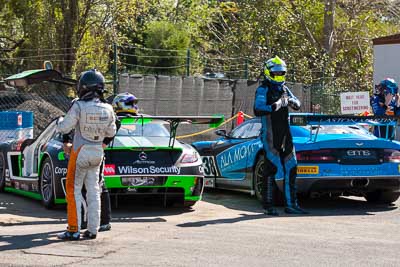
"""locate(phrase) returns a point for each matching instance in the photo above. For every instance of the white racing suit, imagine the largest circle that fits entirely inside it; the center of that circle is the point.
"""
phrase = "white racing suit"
(92, 120)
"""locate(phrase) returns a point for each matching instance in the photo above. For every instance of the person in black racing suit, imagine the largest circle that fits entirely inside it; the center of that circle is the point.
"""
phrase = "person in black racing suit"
(271, 103)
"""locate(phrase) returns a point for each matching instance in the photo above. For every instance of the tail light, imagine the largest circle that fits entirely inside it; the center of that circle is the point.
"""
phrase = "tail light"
(391, 155)
(190, 157)
(324, 155)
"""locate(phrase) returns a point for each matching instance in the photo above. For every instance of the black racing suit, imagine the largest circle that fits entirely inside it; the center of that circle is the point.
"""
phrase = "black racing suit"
(280, 157)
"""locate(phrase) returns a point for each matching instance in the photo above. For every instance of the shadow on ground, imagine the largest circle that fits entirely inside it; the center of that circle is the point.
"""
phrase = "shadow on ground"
(316, 206)
(31, 212)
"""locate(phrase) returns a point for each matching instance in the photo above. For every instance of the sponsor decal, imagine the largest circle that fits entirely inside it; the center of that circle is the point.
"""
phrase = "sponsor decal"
(16, 185)
(144, 162)
(19, 120)
(236, 154)
(109, 169)
(307, 169)
(62, 171)
(142, 156)
(149, 170)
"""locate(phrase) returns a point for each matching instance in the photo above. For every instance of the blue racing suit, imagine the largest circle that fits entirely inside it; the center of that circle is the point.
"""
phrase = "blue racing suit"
(271, 104)
(380, 108)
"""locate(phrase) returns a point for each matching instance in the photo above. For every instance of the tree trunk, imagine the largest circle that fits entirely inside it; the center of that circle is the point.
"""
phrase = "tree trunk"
(329, 17)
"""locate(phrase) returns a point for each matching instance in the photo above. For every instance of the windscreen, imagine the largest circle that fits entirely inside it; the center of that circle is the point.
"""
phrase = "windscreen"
(148, 130)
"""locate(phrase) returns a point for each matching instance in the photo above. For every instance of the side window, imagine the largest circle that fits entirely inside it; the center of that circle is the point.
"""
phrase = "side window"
(254, 130)
(242, 131)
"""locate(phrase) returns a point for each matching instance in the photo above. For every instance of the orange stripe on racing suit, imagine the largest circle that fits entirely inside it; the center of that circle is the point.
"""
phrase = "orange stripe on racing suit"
(71, 203)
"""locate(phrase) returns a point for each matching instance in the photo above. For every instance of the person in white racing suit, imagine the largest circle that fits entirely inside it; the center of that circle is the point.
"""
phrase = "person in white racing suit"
(271, 103)
(93, 120)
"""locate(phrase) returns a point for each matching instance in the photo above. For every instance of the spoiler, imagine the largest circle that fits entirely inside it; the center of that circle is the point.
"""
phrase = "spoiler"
(29, 77)
(213, 121)
(320, 119)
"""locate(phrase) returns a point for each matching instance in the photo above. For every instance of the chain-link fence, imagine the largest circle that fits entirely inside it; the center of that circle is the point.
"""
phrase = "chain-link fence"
(46, 101)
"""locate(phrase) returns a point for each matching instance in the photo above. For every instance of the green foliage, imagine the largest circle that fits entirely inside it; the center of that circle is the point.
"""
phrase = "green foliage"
(223, 36)
(168, 42)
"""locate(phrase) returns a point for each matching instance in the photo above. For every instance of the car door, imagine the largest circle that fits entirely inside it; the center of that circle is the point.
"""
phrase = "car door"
(234, 160)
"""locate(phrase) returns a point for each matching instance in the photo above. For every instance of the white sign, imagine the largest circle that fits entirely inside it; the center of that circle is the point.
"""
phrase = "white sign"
(354, 102)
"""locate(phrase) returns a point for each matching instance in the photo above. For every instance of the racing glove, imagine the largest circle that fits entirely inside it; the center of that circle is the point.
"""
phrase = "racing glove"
(294, 103)
(281, 103)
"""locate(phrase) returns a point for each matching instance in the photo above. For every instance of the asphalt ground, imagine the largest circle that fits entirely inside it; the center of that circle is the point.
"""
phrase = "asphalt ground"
(225, 229)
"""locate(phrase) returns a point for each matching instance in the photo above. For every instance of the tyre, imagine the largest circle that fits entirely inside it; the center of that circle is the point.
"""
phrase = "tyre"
(189, 203)
(257, 183)
(47, 184)
(2, 172)
(382, 197)
(258, 176)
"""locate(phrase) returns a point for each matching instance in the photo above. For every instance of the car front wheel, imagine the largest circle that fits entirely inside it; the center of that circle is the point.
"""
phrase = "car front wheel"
(47, 184)
(382, 197)
(258, 175)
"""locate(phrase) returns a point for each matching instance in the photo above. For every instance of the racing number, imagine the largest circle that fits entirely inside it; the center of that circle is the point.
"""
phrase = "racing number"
(209, 166)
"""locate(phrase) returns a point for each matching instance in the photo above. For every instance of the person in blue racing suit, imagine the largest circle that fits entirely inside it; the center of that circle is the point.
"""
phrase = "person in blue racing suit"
(385, 102)
(272, 100)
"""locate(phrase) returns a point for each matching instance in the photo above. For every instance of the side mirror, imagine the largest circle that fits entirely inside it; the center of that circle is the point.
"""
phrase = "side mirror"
(221, 132)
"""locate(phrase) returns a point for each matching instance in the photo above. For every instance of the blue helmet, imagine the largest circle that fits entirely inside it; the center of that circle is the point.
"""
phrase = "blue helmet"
(388, 86)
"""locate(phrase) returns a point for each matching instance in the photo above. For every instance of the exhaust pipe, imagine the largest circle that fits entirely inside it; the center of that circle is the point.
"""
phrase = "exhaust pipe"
(359, 182)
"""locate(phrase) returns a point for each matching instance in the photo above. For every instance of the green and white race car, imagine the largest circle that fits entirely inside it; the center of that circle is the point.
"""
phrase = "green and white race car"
(145, 158)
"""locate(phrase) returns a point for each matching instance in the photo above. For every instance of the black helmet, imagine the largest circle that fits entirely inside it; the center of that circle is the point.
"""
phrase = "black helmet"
(90, 81)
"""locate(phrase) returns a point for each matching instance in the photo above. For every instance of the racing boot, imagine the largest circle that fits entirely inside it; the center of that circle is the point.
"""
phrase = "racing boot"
(89, 235)
(105, 227)
(295, 210)
(271, 211)
(69, 235)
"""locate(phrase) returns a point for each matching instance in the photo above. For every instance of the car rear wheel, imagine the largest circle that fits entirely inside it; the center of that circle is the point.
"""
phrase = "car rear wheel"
(2, 172)
(47, 184)
(382, 197)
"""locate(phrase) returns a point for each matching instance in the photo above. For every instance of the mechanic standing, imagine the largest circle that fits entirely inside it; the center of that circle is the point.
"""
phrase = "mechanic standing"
(385, 101)
(271, 103)
(93, 120)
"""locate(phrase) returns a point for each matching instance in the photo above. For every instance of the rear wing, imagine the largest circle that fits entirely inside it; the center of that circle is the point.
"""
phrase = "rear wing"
(213, 121)
(320, 119)
(29, 77)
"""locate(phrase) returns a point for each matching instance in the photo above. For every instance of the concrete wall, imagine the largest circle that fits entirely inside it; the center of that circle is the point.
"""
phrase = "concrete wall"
(174, 95)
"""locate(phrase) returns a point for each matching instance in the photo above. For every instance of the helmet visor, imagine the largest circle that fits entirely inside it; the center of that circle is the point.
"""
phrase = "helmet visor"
(131, 100)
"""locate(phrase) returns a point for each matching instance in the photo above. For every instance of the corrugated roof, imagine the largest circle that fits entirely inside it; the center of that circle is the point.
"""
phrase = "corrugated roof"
(390, 39)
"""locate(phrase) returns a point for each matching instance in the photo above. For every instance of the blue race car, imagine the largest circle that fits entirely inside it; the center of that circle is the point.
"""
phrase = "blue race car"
(336, 155)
